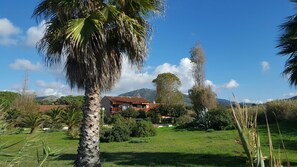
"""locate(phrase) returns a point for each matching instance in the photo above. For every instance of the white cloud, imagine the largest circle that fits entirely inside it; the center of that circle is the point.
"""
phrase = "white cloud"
(7, 28)
(246, 100)
(231, 84)
(291, 94)
(132, 78)
(8, 32)
(209, 83)
(265, 66)
(54, 88)
(23, 64)
(34, 34)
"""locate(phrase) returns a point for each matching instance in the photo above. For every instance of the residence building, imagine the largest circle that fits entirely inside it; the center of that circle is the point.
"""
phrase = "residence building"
(113, 105)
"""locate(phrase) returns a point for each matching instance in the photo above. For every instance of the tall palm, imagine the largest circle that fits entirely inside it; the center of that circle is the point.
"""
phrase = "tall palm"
(288, 45)
(93, 36)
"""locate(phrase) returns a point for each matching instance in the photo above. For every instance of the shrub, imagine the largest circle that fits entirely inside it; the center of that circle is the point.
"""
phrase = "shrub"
(283, 109)
(73, 133)
(144, 129)
(121, 130)
(142, 114)
(154, 116)
(129, 113)
(218, 119)
(185, 119)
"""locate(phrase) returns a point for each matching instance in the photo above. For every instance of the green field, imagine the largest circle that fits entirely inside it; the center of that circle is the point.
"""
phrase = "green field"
(170, 147)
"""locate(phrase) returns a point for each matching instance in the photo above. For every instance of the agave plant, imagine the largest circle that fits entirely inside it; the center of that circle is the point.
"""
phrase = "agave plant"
(246, 125)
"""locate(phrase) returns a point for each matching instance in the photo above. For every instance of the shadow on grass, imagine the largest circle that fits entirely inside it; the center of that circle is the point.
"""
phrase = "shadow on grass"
(166, 159)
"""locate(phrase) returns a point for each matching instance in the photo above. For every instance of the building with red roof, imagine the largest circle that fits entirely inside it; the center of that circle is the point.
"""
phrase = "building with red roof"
(113, 105)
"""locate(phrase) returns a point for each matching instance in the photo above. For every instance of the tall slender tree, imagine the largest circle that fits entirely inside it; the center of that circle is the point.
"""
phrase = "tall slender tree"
(198, 61)
(93, 36)
(201, 95)
(288, 47)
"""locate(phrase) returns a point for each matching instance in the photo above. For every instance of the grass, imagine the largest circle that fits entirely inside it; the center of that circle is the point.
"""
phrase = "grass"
(170, 147)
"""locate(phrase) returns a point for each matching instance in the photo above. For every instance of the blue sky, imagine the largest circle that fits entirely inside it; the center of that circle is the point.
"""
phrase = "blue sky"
(238, 38)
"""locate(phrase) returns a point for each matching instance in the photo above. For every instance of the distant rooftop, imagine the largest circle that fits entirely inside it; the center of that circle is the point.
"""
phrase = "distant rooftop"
(128, 99)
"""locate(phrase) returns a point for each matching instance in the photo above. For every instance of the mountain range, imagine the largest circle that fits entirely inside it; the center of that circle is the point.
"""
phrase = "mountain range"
(150, 94)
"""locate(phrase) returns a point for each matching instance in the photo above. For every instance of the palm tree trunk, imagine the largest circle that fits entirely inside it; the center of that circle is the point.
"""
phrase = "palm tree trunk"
(88, 150)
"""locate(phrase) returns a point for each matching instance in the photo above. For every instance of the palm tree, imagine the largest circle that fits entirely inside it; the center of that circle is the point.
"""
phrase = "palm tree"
(288, 45)
(94, 36)
(71, 117)
(53, 118)
(32, 120)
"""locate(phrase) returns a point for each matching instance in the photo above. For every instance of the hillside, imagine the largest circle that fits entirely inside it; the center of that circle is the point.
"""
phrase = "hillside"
(150, 95)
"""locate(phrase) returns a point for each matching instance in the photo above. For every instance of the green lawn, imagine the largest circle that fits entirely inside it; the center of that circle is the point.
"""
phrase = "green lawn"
(170, 147)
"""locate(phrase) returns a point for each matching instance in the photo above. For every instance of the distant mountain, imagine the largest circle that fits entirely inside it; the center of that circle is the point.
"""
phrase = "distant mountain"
(47, 98)
(150, 94)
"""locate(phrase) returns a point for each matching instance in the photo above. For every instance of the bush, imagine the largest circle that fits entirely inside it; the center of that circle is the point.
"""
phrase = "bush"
(142, 114)
(218, 119)
(121, 130)
(154, 116)
(73, 133)
(185, 119)
(129, 113)
(283, 109)
(144, 129)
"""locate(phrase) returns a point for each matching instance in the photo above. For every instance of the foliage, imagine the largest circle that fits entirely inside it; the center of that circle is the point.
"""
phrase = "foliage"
(53, 118)
(11, 116)
(198, 62)
(172, 110)
(25, 103)
(72, 118)
(154, 115)
(218, 119)
(201, 95)
(202, 98)
(144, 129)
(183, 120)
(245, 123)
(7, 98)
(32, 120)
(167, 89)
(121, 131)
(142, 114)
(287, 45)
(283, 109)
(129, 113)
(76, 101)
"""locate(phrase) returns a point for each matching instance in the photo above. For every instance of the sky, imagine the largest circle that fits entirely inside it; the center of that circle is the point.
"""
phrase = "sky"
(239, 39)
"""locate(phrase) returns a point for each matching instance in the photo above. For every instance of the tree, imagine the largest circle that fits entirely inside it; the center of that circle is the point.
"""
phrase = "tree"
(288, 46)
(6, 98)
(53, 118)
(71, 117)
(93, 36)
(32, 120)
(201, 95)
(202, 98)
(76, 101)
(167, 89)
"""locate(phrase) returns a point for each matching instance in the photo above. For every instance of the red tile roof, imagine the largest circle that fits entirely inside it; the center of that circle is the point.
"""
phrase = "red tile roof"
(127, 99)
(44, 108)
